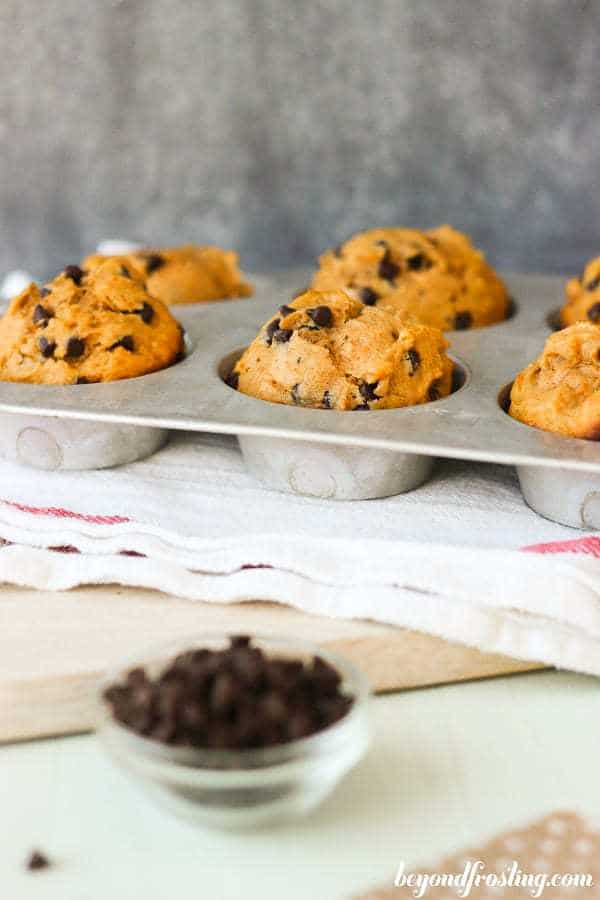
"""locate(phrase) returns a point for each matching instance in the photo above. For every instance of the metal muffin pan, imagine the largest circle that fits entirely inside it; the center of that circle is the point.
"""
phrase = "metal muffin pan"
(349, 455)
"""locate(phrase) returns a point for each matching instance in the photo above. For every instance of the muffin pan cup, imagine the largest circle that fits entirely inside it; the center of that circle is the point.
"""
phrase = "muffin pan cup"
(349, 455)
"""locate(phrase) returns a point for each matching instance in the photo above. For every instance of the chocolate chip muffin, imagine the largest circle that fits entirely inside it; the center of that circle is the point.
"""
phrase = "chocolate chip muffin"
(560, 390)
(189, 274)
(435, 276)
(86, 327)
(330, 351)
(583, 296)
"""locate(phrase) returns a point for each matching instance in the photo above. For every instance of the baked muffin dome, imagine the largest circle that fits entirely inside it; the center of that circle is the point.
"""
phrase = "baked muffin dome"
(87, 327)
(327, 350)
(583, 296)
(436, 276)
(189, 274)
(560, 390)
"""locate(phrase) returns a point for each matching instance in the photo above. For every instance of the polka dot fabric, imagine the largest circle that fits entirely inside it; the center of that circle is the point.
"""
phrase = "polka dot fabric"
(560, 843)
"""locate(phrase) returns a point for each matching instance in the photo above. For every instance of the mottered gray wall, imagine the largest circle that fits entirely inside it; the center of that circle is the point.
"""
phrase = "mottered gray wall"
(278, 127)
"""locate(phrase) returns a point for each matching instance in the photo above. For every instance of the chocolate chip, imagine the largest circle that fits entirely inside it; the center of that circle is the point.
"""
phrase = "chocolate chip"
(271, 329)
(75, 348)
(153, 262)
(418, 262)
(434, 390)
(125, 272)
(387, 267)
(327, 400)
(74, 273)
(37, 860)
(321, 316)
(286, 310)
(381, 243)
(367, 390)
(362, 406)
(44, 291)
(295, 394)
(368, 296)
(233, 380)
(414, 360)
(337, 251)
(146, 313)
(593, 313)
(47, 347)
(594, 284)
(42, 315)
(81, 379)
(126, 342)
(282, 335)
(462, 321)
(233, 698)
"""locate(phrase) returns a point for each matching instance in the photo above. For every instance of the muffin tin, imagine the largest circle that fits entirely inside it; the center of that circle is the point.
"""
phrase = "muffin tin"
(327, 453)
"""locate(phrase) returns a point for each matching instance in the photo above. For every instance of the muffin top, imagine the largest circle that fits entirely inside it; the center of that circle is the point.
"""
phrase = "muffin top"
(436, 276)
(188, 274)
(86, 327)
(560, 390)
(327, 350)
(583, 296)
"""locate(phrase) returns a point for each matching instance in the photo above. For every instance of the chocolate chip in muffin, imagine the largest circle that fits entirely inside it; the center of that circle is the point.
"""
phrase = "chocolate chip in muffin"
(81, 379)
(362, 406)
(594, 284)
(593, 313)
(44, 291)
(321, 316)
(146, 313)
(42, 315)
(295, 394)
(126, 342)
(367, 390)
(282, 335)
(414, 360)
(337, 251)
(387, 267)
(75, 273)
(286, 310)
(327, 400)
(75, 348)
(47, 347)
(271, 329)
(233, 380)
(368, 296)
(418, 262)
(154, 262)
(125, 272)
(462, 321)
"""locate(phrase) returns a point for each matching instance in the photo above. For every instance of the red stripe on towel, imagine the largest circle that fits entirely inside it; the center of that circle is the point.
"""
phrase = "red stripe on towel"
(590, 546)
(66, 514)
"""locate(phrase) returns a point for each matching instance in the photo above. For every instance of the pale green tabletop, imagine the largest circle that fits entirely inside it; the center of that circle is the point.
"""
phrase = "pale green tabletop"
(449, 767)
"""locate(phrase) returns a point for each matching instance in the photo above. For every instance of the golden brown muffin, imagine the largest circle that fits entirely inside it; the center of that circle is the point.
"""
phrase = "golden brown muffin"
(560, 390)
(435, 276)
(86, 327)
(583, 296)
(328, 350)
(187, 274)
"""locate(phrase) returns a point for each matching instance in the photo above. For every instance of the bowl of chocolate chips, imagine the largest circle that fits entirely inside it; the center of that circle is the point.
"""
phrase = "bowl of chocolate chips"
(236, 732)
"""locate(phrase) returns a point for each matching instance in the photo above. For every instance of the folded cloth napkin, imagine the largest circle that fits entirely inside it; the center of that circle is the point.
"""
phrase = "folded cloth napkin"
(447, 559)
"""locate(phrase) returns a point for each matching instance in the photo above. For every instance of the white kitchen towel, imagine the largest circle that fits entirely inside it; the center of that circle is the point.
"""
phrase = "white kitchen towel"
(461, 557)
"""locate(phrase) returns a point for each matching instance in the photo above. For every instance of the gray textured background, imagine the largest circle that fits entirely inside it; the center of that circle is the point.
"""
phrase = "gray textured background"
(280, 126)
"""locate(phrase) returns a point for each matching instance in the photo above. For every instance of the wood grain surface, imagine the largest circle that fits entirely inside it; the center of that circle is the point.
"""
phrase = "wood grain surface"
(54, 648)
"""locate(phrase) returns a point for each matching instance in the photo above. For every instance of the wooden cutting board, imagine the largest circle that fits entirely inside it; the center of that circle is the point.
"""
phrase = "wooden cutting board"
(54, 648)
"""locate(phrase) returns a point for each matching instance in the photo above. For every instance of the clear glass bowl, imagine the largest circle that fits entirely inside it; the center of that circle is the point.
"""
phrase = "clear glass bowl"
(236, 789)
